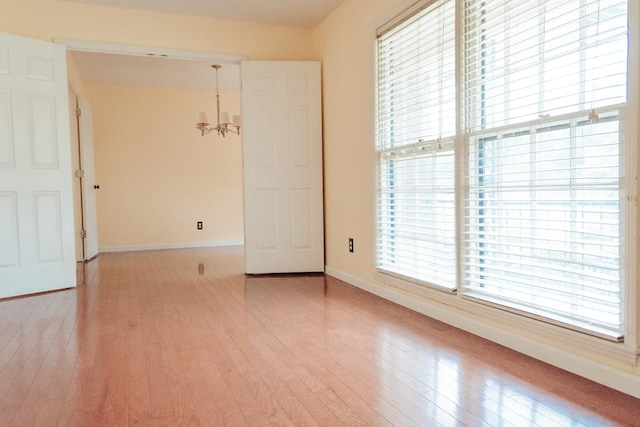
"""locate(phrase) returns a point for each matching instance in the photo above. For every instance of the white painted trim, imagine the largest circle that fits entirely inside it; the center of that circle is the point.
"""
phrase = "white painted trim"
(622, 378)
(569, 340)
(631, 263)
(124, 49)
(212, 244)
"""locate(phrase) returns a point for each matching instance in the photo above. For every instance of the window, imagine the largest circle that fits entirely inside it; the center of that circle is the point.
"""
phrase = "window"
(416, 134)
(540, 144)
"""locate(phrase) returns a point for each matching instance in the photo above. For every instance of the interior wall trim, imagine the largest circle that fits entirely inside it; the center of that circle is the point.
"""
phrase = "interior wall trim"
(125, 49)
(160, 246)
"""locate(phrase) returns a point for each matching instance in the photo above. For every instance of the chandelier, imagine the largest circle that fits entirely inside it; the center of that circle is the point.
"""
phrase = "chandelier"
(224, 124)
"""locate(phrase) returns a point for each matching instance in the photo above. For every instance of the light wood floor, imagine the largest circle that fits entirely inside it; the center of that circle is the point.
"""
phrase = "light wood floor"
(183, 337)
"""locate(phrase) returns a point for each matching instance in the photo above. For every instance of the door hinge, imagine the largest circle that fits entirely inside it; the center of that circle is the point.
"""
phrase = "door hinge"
(78, 112)
(79, 173)
(83, 234)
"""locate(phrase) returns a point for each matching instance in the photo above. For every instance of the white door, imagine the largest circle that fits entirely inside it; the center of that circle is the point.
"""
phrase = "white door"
(89, 186)
(282, 167)
(36, 200)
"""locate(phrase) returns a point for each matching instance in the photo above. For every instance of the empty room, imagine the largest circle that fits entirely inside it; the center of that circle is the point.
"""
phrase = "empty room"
(319, 212)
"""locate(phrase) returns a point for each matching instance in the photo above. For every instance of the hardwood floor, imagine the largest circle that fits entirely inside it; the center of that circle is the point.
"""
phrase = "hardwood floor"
(183, 337)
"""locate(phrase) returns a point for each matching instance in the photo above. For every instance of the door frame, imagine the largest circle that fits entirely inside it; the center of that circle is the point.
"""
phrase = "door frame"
(76, 163)
(136, 50)
(85, 227)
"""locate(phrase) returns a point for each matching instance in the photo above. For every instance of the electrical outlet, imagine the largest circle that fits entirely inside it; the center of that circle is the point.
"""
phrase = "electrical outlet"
(350, 244)
(199, 225)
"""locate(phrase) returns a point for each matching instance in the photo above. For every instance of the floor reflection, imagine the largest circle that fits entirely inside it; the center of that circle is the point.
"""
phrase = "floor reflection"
(446, 385)
(522, 406)
(184, 337)
(425, 371)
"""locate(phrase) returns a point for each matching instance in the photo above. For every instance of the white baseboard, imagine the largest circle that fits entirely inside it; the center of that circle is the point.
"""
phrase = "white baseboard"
(619, 379)
(216, 243)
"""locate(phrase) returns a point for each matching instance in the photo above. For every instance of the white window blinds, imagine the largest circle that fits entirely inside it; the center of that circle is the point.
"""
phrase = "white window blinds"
(525, 60)
(544, 99)
(415, 146)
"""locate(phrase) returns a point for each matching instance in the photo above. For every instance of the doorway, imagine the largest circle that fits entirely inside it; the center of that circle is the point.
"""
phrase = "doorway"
(159, 178)
(150, 209)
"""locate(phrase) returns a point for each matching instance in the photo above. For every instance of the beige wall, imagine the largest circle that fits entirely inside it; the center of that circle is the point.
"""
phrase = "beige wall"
(75, 82)
(157, 175)
(49, 19)
(346, 43)
(147, 152)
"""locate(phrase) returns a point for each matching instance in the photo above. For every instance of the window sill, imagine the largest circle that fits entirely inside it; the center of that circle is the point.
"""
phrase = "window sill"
(501, 326)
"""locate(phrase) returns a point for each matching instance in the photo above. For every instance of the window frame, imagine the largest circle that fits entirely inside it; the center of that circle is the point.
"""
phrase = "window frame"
(626, 350)
(426, 148)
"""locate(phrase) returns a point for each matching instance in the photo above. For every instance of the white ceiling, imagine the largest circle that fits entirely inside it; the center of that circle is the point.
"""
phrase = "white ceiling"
(293, 13)
(154, 70)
